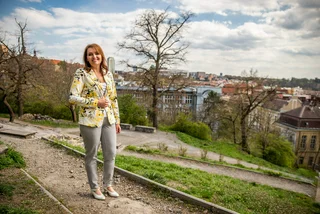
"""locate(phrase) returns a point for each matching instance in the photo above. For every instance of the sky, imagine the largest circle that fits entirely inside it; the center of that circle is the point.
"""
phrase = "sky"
(278, 38)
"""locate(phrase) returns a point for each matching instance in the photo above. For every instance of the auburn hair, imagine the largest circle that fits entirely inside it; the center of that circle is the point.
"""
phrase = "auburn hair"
(103, 64)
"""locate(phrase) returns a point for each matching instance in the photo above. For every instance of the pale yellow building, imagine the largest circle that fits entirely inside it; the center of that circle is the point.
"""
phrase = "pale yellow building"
(302, 127)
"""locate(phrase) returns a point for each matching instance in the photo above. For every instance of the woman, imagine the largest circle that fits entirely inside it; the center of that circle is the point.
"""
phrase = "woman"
(93, 90)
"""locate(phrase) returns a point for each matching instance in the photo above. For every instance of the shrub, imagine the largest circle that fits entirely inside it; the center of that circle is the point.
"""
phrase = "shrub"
(162, 147)
(131, 112)
(196, 129)
(61, 112)
(204, 154)
(182, 150)
(56, 111)
(279, 151)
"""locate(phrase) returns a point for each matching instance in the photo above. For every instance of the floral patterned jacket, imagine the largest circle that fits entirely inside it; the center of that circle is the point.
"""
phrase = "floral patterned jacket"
(85, 92)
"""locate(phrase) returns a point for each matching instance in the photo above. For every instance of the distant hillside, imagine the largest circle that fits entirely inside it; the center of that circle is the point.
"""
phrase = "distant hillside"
(306, 84)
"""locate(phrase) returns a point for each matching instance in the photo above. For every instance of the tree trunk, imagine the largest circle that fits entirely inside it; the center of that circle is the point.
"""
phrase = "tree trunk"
(234, 132)
(155, 108)
(20, 103)
(244, 143)
(11, 113)
(264, 146)
(19, 86)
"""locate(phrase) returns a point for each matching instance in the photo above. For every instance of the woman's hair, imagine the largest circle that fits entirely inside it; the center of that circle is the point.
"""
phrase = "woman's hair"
(100, 51)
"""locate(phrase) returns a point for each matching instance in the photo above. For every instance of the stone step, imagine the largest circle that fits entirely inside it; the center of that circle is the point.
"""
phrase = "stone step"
(17, 133)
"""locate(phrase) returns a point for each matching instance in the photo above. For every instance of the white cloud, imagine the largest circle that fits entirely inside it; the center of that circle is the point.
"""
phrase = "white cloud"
(309, 3)
(305, 21)
(251, 7)
(220, 36)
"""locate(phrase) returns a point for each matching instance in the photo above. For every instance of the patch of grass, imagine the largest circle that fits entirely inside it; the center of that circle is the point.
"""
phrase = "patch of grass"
(4, 115)
(202, 159)
(306, 173)
(6, 190)
(155, 177)
(55, 123)
(11, 158)
(15, 210)
(272, 173)
(234, 194)
(142, 150)
(232, 150)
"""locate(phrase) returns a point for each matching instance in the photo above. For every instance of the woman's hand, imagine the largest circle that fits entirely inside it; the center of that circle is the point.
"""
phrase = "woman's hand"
(103, 102)
(118, 128)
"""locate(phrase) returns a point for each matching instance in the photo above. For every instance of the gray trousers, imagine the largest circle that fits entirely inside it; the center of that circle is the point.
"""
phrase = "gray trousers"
(92, 136)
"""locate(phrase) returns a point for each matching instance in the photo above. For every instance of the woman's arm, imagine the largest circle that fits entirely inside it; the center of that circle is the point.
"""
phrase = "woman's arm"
(77, 86)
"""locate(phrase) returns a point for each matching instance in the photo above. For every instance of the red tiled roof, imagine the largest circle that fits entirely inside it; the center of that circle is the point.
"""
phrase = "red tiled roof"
(55, 61)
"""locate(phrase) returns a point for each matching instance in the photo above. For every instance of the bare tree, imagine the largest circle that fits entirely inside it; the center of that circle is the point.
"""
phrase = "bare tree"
(250, 94)
(209, 111)
(18, 69)
(253, 96)
(5, 87)
(66, 77)
(157, 38)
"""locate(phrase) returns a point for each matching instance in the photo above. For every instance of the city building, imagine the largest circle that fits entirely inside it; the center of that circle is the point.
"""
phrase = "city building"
(172, 101)
(301, 126)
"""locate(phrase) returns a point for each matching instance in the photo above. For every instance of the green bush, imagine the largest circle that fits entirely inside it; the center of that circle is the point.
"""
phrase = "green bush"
(38, 107)
(61, 112)
(56, 111)
(131, 112)
(196, 129)
(279, 151)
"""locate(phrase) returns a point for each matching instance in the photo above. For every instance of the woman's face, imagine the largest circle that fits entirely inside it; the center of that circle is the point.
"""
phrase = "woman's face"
(94, 57)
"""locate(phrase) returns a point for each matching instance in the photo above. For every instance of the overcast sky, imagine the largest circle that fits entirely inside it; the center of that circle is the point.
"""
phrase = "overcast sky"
(279, 38)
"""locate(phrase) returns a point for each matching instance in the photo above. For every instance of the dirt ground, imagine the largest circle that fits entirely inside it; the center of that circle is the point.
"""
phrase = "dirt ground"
(64, 176)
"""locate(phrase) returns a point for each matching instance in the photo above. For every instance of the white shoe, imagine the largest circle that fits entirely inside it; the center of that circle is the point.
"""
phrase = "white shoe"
(97, 196)
(112, 193)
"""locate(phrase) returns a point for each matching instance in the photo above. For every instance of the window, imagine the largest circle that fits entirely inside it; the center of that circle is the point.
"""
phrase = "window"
(300, 160)
(303, 142)
(189, 99)
(313, 142)
(310, 161)
(168, 98)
